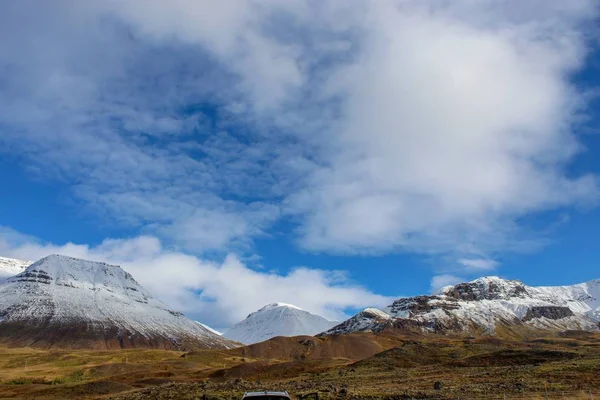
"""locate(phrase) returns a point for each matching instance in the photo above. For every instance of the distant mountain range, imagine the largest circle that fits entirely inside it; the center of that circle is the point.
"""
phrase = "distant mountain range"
(67, 302)
(277, 319)
(11, 267)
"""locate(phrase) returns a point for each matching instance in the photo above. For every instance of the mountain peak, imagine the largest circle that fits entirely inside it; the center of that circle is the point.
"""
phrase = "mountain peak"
(59, 270)
(375, 313)
(58, 262)
(71, 302)
(279, 305)
(488, 288)
(489, 278)
(277, 319)
(495, 279)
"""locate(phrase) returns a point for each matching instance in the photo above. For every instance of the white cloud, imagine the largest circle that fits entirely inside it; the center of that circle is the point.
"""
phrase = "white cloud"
(377, 126)
(217, 293)
(478, 264)
(440, 281)
(235, 32)
(451, 128)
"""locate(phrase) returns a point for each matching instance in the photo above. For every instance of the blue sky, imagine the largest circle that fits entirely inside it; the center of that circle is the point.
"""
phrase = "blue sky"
(333, 155)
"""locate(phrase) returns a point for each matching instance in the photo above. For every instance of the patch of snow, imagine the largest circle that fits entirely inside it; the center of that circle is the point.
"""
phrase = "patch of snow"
(376, 313)
(368, 320)
(216, 332)
(11, 267)
(279, 304)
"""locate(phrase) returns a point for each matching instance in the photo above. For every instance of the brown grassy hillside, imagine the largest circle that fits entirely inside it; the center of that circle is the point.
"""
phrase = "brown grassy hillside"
(347, 366)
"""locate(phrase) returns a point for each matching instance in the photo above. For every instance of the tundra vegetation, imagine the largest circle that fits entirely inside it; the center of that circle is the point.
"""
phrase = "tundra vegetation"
(361, 365)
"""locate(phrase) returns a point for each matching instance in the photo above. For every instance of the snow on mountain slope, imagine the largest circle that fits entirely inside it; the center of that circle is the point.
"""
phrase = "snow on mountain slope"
(367, 320)
(277, 319)
(216, 332)
(71, 302)
(484, 305)
(11, 267)
(582, 298)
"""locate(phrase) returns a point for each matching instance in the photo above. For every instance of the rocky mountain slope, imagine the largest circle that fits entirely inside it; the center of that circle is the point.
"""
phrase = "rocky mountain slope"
(11, 267)
(277, 319)
(68, 302)
(486, 306)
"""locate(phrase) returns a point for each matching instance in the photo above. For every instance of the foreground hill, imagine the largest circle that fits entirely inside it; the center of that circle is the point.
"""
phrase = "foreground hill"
(61, 301)
(354, 346)
(488, 306)
(277, 319)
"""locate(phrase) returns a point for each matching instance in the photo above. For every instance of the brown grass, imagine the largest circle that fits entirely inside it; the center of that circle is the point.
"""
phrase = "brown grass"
(352, 366)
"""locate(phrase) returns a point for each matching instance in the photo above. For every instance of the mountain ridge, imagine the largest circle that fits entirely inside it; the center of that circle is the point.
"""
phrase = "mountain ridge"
(484, 305)
(11, 267)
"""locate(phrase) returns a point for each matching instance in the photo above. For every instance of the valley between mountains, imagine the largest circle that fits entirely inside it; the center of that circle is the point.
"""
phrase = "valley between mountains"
(72, 328)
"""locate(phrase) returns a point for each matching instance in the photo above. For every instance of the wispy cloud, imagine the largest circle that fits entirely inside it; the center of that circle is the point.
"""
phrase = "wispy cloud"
(124, 122)
(478, 264)
(375, 126)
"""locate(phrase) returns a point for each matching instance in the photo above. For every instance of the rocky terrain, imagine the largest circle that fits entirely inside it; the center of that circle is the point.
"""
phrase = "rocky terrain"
(486, 306)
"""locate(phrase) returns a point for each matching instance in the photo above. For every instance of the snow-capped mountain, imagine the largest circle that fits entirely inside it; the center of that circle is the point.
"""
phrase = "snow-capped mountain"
(11, 267)
(277, 319)
(486, 306)
(68, 302)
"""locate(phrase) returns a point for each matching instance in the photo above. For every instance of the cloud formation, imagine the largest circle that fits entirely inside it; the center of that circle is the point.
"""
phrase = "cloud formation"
(217, 293)
(374, 126)
(450, 129)
(478, 264)
(440, 281)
